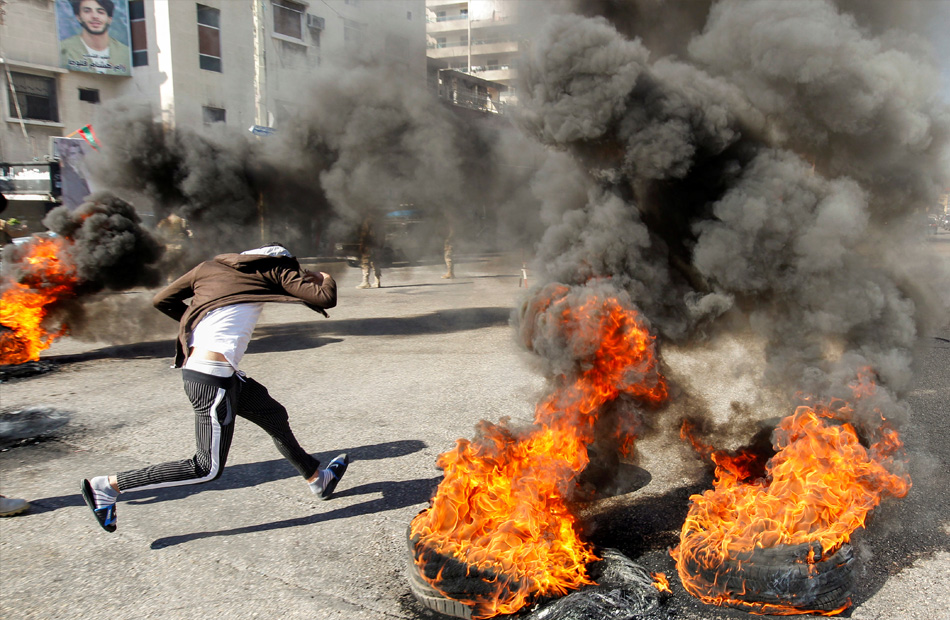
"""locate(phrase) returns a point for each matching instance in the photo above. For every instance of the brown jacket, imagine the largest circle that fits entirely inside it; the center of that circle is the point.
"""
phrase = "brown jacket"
(238, 278)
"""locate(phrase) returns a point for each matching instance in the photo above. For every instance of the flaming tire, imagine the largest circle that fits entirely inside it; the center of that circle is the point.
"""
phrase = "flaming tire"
(780, 577)
(432, 598)
(426, 594)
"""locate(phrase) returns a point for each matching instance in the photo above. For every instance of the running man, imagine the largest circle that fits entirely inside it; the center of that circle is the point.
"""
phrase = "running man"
(227, 295)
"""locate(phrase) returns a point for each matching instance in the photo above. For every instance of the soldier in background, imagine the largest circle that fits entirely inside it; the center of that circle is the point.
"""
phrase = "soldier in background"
(448, 251)
(369, 246)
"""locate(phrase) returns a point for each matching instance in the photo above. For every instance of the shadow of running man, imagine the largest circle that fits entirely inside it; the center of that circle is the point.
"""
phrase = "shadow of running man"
(395, 495)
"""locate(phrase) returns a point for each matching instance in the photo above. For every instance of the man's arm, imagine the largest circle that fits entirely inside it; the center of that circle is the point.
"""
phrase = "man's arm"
(171, 299)
(316, 290)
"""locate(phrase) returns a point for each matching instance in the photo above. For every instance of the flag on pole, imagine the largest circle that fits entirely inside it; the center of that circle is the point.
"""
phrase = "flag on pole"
(88, 135)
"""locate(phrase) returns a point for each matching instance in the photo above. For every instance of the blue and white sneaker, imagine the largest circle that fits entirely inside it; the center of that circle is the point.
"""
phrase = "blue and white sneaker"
(325, 484)
(105, 515)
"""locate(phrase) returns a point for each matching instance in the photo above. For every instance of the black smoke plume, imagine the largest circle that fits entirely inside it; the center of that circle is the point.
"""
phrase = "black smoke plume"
(107, 244)
(762, 173)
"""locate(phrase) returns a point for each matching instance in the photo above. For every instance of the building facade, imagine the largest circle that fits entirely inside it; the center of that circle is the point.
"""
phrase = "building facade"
(238, 62)
(479, 38)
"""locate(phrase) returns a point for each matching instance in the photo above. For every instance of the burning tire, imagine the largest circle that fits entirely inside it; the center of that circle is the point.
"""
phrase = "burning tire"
(778, 577)
(425, 593)
(432, 598)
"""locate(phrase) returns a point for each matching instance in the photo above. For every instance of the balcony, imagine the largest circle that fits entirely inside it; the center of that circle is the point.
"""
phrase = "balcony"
(503, 74)
(446, 50)
(459, 24)
(432, 5)
(494, 46)
(494, 22)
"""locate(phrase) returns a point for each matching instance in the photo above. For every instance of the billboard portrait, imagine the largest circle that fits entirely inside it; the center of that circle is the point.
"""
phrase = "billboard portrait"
(75, 180)
(94, 36)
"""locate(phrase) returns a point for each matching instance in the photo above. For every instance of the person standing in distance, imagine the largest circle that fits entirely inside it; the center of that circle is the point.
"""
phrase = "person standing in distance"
(369, 252)
(227, 295)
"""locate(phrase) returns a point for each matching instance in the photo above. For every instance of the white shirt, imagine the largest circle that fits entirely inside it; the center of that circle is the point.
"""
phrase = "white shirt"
(227, 330)
(99, 59)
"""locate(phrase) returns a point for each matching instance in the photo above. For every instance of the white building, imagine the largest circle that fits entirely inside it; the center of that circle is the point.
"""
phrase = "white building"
(240, 62)
(479, 38)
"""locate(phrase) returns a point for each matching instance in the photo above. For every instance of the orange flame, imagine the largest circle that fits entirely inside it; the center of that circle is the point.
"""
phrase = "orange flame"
(502, 507)
(819, 488)
(661, 583)
(47, 278)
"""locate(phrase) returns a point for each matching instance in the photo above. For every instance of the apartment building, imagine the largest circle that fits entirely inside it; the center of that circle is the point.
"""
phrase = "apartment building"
(478, 38)
(238, 62)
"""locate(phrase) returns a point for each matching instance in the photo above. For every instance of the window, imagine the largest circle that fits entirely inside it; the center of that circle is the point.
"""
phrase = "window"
(36, 97)
(139, 33)
(89, 95)
(209, 38)
(352, 34)
(288, 18)
(213, 115)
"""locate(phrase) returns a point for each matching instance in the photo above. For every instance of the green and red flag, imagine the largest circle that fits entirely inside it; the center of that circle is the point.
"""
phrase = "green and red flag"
(88, 135)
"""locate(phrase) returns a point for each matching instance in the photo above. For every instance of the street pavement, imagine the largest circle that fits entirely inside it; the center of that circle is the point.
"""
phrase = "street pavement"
(394, 377)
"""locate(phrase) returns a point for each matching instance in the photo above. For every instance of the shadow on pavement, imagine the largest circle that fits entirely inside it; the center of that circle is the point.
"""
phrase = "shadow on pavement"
(394, 495)
(138, 350)
(439, 322)
(313, 334)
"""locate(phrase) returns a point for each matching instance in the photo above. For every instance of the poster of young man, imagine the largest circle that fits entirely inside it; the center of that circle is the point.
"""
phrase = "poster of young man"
(94, 36)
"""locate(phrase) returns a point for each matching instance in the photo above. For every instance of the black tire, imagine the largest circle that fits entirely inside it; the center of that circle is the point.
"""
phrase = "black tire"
(782, 576)
(432, 598)
(425, 593)
(456, 579)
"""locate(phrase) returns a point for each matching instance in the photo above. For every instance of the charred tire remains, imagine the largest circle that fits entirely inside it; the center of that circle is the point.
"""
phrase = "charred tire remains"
(779, 576)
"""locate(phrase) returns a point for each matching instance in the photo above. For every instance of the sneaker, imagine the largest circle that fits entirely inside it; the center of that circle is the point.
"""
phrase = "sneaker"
(324, 486)
(105, 515)
(10, 506)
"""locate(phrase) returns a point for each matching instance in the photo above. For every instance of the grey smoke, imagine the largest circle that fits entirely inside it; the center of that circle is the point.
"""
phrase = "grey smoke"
(363, 141)
(765, 173)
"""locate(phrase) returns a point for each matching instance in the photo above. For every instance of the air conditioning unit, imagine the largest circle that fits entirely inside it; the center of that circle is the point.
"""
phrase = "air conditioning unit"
(315, 23)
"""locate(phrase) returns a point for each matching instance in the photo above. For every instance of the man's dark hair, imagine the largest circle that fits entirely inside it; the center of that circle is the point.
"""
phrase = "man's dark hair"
(108, 5)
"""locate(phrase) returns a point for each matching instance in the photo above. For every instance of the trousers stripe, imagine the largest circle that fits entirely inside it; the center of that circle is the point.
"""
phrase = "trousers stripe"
(215, 409)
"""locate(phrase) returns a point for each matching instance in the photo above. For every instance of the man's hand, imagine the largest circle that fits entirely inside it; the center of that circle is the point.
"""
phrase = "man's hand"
(314, 278)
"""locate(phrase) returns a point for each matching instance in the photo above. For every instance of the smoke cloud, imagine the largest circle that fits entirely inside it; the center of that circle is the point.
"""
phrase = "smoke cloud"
(755, 170)
(108, 245)
(765, 173)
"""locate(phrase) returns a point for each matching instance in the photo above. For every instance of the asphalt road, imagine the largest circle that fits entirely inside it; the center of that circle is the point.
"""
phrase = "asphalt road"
(393, 377)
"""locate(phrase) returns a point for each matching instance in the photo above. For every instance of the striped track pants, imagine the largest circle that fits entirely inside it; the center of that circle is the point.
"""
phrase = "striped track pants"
(216, 401)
